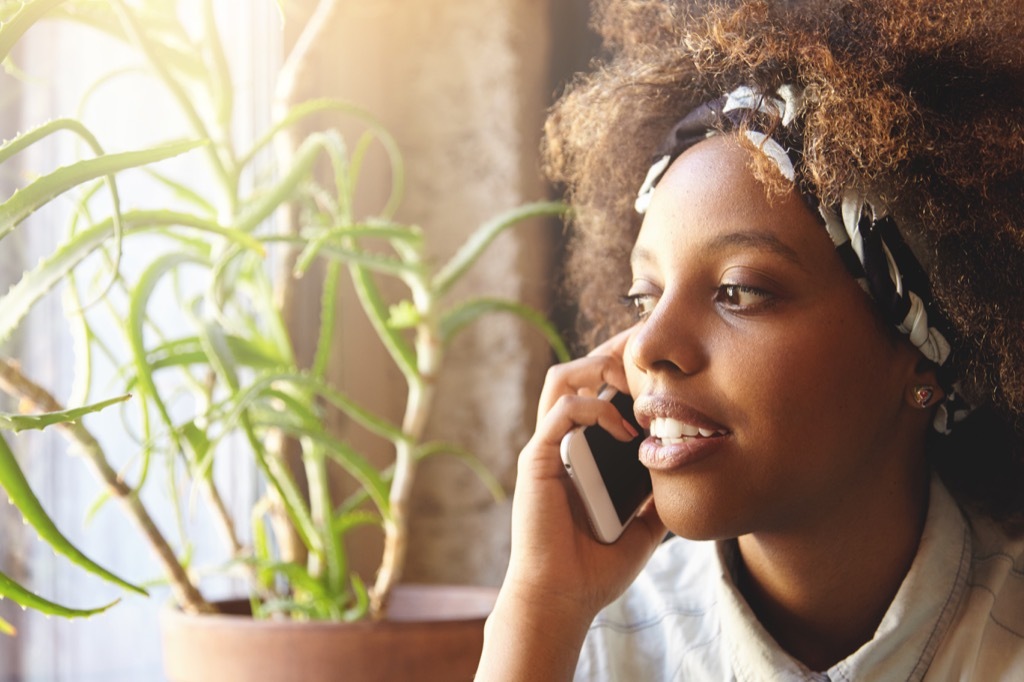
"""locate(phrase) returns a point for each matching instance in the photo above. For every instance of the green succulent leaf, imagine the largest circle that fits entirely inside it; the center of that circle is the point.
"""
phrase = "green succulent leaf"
(12, 30)
(373, 304)
(308, 592)
(480, 239)
(95, 507)
(370, 229)
(96, 15)
(302, 382)
(350, 460)
(27, 199)
(374, 262)
(183, 192)
(403, 315)
(22, 422)
(465, 313)
(13, 480)
(25, 140)
(16, 593)
(261, 207)
(189, 351)
(336, 238)
(347, 520)
(362, 597)
(215, 344)
(492, 484)
(309, 108)
(138, 305)
(198, 441)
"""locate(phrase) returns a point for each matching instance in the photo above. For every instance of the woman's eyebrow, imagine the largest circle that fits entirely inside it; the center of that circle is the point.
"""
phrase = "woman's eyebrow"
(755, 240)
(747, 239)
(640, 254)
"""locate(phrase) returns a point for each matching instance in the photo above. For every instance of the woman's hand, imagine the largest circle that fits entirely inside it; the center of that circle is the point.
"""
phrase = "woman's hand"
(559, 576)
(554, 554)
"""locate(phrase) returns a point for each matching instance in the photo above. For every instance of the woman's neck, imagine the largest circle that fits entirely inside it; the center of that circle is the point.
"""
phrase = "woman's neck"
(822, 589)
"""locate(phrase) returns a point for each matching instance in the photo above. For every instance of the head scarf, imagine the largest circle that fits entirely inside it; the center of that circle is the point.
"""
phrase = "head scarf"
(864, 234)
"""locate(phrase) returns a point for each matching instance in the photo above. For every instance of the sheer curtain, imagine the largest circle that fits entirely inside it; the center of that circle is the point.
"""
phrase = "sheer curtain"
(58, 62)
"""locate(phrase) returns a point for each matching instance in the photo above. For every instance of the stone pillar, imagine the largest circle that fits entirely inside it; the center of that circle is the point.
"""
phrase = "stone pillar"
(463, 86)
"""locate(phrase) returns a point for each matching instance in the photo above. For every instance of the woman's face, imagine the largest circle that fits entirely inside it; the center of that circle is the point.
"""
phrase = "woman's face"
(772, 394)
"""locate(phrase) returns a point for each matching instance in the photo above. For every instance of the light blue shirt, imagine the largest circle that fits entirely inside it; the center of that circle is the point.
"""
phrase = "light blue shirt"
(959, 615)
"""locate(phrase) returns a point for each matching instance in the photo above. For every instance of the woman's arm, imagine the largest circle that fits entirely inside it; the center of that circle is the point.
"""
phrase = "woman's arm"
(559, 577)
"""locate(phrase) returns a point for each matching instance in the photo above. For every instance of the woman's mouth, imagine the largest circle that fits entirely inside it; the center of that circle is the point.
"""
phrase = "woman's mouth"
(674, 443)
(669, 430)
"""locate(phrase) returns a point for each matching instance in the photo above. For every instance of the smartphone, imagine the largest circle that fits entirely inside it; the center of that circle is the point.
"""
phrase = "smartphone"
(607, 473)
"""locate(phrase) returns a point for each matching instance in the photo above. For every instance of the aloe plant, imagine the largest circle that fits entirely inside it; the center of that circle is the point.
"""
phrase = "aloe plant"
(19, 494)
(234, 354)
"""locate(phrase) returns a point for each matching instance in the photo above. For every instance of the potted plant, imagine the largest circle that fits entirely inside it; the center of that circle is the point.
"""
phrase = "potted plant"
(231, 351)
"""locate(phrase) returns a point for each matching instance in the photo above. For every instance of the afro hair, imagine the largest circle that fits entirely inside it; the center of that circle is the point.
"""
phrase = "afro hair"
(920, 102)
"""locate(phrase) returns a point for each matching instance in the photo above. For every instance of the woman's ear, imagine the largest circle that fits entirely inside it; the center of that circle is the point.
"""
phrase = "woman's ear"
(923, 389)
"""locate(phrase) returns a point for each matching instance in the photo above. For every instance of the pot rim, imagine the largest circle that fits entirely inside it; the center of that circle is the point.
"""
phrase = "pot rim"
(479, 601)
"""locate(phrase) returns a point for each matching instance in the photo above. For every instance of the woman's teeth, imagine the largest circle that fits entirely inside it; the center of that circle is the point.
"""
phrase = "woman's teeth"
(667, 429)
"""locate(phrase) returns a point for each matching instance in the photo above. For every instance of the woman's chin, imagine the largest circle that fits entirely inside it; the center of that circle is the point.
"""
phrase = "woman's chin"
(689, 512)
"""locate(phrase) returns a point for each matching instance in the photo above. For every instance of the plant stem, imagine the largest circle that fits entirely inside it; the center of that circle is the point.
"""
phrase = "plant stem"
(227, 526)
(294, 69)
(287, 90)
(429, 353)
(223, 517)
(288, 291)
(15, 383)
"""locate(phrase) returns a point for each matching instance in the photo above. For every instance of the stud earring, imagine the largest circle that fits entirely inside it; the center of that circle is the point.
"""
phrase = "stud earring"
(923, 395)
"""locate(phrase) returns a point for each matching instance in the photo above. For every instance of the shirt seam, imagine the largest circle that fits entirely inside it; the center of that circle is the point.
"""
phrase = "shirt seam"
(1001, 555)
(1018, 635)
(945, 616)
(636, 626)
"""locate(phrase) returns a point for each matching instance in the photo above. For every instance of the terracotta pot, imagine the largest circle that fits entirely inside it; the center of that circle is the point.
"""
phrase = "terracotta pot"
(432, 633)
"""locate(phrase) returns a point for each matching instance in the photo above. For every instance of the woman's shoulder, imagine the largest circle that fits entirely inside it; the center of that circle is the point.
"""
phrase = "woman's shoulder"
(986, 639)
(997, 548)
(997, 574)
(997, 568)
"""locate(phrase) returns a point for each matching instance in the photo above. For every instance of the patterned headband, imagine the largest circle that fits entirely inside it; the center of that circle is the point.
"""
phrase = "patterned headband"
(864, 234)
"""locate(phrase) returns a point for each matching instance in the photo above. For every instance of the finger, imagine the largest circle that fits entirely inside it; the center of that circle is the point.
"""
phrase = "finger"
(572, 411)
(615, 346)
(585, 374)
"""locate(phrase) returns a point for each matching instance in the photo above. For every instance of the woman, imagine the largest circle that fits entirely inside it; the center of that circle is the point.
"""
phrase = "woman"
(825, 289)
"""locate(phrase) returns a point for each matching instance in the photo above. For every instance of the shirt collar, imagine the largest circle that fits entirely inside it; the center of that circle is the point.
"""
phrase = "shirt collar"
(911, 629)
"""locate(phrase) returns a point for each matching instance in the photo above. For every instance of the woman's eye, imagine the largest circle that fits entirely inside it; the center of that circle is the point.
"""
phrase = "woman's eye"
(641, 304)
(739, 296)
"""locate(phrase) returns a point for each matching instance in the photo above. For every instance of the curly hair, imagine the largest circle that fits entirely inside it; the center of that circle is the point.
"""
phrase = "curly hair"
(920, 102)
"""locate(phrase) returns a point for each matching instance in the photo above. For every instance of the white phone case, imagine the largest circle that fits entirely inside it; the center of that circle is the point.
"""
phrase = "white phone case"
(583, 470)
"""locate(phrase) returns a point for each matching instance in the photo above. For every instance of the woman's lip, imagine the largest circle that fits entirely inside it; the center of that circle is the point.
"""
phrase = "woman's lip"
(657, 455)
(649, 407)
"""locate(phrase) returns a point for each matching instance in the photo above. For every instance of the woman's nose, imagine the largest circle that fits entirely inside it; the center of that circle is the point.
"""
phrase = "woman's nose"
(668, 340)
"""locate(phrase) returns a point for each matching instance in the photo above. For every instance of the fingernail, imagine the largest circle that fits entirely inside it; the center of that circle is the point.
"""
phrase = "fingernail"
(629, 427)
